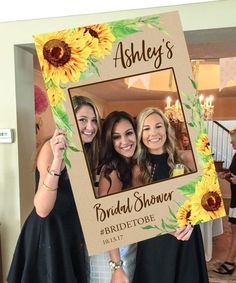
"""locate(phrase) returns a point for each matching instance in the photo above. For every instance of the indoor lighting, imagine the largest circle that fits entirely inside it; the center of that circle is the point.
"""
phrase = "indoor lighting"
(207, 106)
(173, 112)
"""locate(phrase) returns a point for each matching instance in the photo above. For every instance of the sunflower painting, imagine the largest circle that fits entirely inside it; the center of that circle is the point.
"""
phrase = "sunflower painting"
(203, 145)
(204, 196)
(62, 55)
(100, 39)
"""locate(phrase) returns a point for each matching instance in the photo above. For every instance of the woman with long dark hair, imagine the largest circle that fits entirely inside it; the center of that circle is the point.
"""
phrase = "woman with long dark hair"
(51, 245)
(118, 145)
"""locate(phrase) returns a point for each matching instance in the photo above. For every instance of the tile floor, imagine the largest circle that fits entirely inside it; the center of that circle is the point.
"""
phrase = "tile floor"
(220, 246)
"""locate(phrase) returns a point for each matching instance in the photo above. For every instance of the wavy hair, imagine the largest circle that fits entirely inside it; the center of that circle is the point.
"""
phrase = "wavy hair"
(109, 158)
(141, 154)
(92, 149)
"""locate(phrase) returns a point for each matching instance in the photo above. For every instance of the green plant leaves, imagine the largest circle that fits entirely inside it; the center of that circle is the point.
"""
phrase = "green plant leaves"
(123, 28)
(189, 189)
(166, 226)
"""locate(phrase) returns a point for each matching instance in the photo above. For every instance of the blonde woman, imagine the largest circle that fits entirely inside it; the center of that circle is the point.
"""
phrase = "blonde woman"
(177, 258)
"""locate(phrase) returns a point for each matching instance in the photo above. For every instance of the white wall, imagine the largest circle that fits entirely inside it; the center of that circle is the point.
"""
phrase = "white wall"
(15, 199)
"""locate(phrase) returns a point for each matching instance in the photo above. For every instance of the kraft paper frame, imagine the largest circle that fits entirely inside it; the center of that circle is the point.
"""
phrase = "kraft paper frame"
(102, 53)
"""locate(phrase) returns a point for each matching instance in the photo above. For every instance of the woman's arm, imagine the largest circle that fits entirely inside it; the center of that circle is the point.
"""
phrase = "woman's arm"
(118, 275)
(50, 159)
(105, 187)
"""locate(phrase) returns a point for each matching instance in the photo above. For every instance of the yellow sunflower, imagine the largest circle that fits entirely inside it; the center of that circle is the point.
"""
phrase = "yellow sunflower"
(207, 203)
(62, 55)
(183, 214)
(209, 168)
(203, 145)
(100, 40)
(55, 94)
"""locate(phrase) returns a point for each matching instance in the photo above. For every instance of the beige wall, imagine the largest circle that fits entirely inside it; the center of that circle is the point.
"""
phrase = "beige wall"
(16, 179)
(225, 108)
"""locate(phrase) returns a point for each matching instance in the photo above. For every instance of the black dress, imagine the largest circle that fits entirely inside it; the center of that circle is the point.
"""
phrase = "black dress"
(51, 249)
(232, 209)
(164, 259)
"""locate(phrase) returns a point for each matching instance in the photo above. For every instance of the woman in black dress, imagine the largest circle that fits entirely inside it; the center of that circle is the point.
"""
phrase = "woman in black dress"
(118, 144)
(177, 258)
(50, 248)
(228, 266)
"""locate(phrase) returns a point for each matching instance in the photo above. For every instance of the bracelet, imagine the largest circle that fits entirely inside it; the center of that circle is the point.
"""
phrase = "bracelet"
(47, 188)
(115, 265)
(53, 173)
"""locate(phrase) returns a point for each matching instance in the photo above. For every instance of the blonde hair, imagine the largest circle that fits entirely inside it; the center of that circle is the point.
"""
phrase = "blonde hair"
(141, 154)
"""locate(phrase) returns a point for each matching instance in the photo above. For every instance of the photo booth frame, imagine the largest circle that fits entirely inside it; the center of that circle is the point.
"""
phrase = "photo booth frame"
(82, 56)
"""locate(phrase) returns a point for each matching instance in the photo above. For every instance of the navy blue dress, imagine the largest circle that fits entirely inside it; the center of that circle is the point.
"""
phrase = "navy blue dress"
(164, 259)
(51, 249)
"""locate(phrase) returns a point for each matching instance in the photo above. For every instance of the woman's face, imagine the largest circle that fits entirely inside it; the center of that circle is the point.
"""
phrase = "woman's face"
(233, 141)
(87, 122)
(124, 139)
(154, 134)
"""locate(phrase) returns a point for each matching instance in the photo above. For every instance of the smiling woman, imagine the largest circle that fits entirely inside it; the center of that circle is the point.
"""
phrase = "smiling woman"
(164, 259)
(88, 120)
(118, 143)
(113, 98)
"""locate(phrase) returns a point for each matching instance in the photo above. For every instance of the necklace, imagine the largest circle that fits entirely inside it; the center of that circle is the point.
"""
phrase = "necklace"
(153, 171)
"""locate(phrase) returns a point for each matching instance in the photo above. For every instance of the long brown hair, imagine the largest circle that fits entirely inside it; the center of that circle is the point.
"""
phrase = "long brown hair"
(92, 149)
(111, 160)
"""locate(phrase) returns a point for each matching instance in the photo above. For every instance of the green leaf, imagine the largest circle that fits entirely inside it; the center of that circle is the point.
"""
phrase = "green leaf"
(148, 227)
(163, 30)
(172, 220)
(95, 68)
(163, 224)
(49, 84)
(172, 213)
(187, 106)
(74, 149)
(171, 226)
(66, 159)
(122, 31)
(123, 28)
(189, 189)
(61, 117)
(191, 124)
(86, 74)
(193, 83)
(149, 19)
